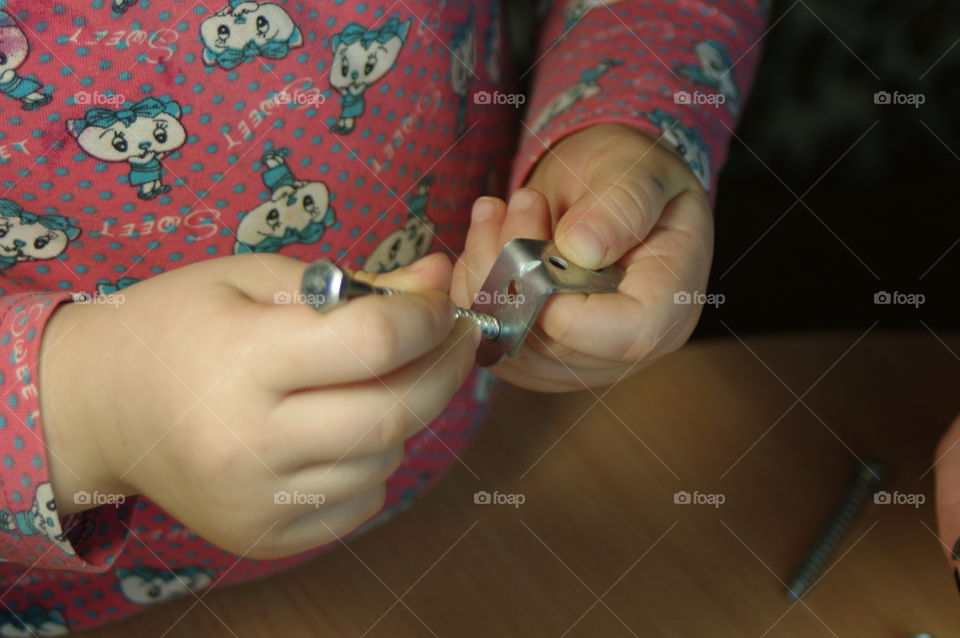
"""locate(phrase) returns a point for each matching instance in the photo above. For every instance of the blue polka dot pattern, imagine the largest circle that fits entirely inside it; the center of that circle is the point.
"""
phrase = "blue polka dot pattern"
(141, 136)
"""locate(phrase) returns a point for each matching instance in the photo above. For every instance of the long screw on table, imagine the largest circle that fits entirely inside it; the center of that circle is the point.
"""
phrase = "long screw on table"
(326, 285)
(866, 481)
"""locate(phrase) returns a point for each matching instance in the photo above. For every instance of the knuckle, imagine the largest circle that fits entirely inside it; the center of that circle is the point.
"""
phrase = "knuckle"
(393, 426)
(381, 338)
(630, 204)
(206, 452)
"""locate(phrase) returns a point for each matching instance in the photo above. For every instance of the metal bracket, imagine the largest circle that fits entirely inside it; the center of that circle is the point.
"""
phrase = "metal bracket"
(523, 277)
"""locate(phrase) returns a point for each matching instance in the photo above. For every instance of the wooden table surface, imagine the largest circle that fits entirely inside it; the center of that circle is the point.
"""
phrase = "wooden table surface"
(600, 548)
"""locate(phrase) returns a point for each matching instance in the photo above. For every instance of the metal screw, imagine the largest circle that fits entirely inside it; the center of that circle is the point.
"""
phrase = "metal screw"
(866, 481)
(326, 285)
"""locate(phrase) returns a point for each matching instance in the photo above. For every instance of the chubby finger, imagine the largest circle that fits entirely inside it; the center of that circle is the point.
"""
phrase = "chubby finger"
(528, 216)
(364, 338)
(481, 247)
(369, 418)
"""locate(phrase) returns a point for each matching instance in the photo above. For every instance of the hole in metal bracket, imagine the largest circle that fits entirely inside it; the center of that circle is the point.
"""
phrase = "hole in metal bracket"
(557, 262)
(513, 288)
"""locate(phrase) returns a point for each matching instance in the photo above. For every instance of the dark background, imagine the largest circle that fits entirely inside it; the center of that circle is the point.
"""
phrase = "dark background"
(885, 216)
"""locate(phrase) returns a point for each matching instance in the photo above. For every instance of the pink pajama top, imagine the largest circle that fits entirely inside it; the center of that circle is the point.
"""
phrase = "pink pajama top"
(139, 136)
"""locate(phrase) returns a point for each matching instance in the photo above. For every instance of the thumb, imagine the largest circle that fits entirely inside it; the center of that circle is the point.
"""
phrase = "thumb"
(615, 214)
(948, 496)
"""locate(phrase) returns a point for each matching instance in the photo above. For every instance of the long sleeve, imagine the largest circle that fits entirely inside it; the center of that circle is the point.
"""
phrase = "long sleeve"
(677, 68)
(31, 531)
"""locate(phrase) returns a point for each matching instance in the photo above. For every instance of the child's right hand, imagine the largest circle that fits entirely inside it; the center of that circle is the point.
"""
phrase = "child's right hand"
(201, 393)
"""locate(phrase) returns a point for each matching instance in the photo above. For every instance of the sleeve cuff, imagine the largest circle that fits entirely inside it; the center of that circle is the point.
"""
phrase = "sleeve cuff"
(31, 531)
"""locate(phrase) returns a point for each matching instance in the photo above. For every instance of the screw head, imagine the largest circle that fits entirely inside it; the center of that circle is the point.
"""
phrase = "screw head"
(325, 285)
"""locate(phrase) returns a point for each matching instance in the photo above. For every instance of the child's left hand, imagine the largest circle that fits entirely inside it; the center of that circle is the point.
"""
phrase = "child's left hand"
(649, 214)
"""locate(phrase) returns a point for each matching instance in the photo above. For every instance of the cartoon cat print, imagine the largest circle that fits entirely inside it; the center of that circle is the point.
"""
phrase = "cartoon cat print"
(25, 236)
(587, 86)
(40, 520)
(361, 57)
(14, 49)
(243, 31)
(140, 135)
(296, 211)
(715, 70)
(36, 621)
(405, 245)
(149, 585)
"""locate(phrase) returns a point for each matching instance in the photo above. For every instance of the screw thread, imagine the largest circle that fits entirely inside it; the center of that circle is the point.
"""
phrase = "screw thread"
(866, 481)
(489, 325)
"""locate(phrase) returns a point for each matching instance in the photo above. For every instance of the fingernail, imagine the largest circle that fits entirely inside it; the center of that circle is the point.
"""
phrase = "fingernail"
(483, 209)
(587, 245)
(522, 198)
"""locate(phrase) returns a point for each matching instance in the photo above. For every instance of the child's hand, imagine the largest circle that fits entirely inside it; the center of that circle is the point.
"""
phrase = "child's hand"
(202, 393)
(605, 194)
